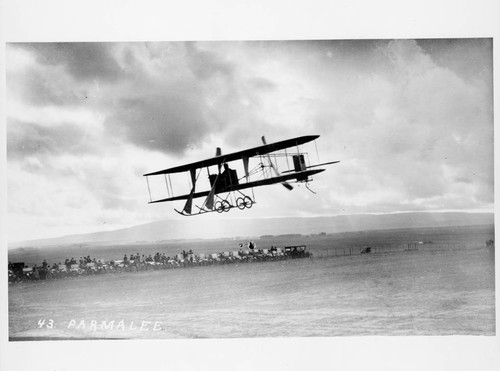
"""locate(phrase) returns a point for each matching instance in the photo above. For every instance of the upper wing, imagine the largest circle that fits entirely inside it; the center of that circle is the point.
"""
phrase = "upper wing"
(256, 151)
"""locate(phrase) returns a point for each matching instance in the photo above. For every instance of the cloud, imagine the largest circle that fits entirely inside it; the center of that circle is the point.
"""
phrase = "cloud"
(159, 106)
(39, 85)
(261, 84)
(418, 127)
(471, 58)
(42, 89)
(83, 61)
(185, 96)
(165, 121)
(206, 64)
(26, 139)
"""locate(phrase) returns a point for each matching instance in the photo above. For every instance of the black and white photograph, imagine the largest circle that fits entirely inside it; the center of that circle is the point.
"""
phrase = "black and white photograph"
(249, 189)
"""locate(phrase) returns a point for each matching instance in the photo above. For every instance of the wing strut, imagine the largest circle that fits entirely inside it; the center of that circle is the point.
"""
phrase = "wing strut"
(284, 183)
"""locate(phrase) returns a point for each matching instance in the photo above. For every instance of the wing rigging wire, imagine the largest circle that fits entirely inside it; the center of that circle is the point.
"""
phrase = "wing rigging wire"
(170, 181)
(258, 168)
(149, 190)
(195, 180)
(168, 189)
(317, 153)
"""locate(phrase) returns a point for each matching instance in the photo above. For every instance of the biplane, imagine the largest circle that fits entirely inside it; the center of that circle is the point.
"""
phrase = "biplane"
(228, 191)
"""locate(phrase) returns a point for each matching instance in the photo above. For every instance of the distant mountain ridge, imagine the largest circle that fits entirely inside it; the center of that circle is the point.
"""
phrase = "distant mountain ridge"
(197, 228)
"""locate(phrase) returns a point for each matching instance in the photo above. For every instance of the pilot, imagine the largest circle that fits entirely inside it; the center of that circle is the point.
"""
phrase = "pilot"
(226, 176)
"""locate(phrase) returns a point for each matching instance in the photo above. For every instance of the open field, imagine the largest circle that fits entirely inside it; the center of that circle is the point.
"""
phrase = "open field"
(320, 245)
(443, 288)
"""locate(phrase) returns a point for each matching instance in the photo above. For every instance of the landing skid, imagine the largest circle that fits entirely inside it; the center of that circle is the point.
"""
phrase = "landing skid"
(223, 206)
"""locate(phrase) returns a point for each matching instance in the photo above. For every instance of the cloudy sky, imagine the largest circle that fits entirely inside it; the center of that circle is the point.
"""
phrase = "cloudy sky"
(410, 121)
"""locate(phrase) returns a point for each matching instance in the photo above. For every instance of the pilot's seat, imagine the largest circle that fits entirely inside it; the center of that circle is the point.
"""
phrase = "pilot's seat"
(225, 180)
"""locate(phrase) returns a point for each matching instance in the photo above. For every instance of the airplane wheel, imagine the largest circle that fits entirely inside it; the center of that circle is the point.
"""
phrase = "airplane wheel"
(225, 206)
(247, 201)
(240, 202)
(222, 206)
(219, 207)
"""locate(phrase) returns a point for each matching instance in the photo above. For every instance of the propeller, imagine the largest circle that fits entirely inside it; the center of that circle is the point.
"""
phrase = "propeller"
(285, 184)
(218, 153)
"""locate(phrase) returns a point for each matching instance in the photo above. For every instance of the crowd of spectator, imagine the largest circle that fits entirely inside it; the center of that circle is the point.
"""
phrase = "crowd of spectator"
(86, 265)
